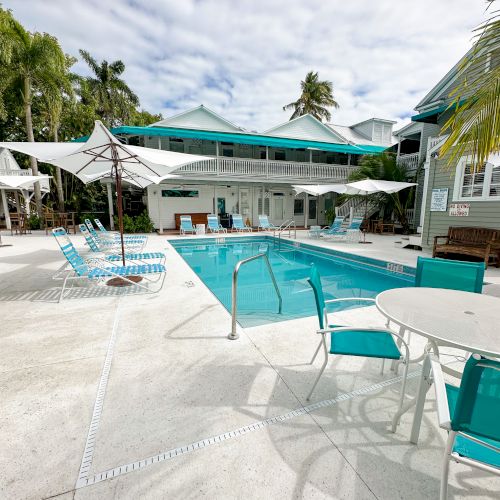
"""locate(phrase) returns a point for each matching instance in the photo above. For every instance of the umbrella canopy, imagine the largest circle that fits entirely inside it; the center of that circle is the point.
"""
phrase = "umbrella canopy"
(103, 155)
(318, 189)
(23, 181)
(371, 186)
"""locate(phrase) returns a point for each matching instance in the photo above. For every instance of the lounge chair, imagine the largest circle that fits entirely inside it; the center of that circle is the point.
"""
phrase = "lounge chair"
(265, 225)
(107, 234)
(354, 341)
(334, 229)
(214, 225)
(111, 244)
(114, 251)
(471, 415)
(349, 233)
(96, 270)
(186, 225)
(238, 224)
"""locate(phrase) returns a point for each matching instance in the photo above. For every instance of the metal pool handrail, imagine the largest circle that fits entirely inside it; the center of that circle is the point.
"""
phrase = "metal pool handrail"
(234, 335)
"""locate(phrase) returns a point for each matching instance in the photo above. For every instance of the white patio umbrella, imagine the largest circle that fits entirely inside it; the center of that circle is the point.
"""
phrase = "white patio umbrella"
(318, 189)
(103, 155)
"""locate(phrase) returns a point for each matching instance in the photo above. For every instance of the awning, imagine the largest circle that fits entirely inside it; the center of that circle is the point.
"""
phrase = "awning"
(24, 181)
(253, 139)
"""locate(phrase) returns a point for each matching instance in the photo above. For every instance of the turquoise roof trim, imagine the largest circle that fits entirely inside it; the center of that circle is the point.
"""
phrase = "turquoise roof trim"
(255, 139)
(422, 117)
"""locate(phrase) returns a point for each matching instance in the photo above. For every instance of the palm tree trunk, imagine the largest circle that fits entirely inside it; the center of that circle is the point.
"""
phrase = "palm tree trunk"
(31, 138)
(59, 184)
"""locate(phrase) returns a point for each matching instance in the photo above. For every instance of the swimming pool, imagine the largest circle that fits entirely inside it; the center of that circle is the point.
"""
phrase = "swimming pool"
(342, 274)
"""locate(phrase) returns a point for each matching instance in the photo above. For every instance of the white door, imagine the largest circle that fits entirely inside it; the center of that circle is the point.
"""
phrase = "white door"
(312, 213)
(278, 209)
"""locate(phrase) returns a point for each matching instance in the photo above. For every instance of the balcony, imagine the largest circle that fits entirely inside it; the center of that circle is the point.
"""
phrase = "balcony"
(267, 170)
(9, 171)
(409, 161)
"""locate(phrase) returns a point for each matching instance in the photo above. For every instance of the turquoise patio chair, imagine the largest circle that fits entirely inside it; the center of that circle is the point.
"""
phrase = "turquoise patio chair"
(187, 225)
(112, 239)
(107, 234)
(115, 255)
(238, 224)
(471, 415)
(350, 232)
(96, 270)
(451, 274)
(354, 341)
(265, 225)
(214, 225)
(334, 229)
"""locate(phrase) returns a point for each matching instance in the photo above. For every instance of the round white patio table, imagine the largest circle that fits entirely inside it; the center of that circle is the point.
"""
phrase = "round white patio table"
(465, 320)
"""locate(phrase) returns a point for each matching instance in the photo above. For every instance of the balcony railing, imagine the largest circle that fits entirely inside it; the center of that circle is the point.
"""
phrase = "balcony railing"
(409, 161)
(262, 169)
(432, 142)
(8, 171)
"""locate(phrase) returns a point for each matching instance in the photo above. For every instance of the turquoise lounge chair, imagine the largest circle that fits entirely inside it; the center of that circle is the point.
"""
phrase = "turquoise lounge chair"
(115, 255)
(451, 274)
(214, 225)
(107, 234)
(265, 225)
(350, 232)
(354, 341)
(334, 229)
(186, 225)
(471, 415)
(112, 239)
(238, 224)
(96, 270)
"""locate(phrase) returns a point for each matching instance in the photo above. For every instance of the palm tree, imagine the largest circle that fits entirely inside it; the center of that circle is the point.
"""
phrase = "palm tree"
(385, 167)
(474, 126)
(36, 64)
(114, 100)
(316, 97)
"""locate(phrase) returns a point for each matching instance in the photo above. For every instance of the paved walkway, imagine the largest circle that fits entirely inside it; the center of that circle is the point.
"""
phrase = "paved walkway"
(127, 396)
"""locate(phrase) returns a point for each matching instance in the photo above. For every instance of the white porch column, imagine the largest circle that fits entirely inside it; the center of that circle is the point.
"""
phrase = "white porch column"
(217, 155)
(267, 162)
(348, 159)
(215, 200)
(27, 200)
(110, 206)
(263, 209)
(160, 220)
(427, 165)
(306, 210)
(159, 142)
(6, 209)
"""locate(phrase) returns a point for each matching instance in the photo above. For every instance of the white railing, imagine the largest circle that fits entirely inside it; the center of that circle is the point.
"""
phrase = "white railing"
(236, 167)
(409, 161)
(432, 142)
(8, 171)
(410, 216)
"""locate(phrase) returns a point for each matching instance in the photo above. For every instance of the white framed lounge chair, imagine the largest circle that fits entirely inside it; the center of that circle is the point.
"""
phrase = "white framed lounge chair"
(332, 230)
(238, 224)
(265, 225)
(186, 225)
(110, 244)
(213, 224)
(98, 270)
(350, 233)
(471, 415)
(111, 239)
(104, 233)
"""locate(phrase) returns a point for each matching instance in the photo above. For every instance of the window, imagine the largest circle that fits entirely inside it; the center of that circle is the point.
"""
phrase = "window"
(279, 155)
(482, 183)
(227, 152)
(298, 207)
(178, 193)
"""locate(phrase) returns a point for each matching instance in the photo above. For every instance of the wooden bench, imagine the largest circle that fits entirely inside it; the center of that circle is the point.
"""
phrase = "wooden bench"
(478, 242)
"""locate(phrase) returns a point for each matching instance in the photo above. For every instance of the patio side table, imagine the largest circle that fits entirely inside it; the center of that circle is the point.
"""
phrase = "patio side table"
(463, 320)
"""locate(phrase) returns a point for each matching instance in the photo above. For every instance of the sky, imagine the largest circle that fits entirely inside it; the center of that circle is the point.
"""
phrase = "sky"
(244, 59)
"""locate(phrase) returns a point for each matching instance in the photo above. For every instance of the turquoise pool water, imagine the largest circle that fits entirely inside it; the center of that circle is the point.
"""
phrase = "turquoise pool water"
(343, 275)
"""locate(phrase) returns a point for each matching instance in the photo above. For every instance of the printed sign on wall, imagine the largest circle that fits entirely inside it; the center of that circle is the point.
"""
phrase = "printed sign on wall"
(459, 209)
(439, 200)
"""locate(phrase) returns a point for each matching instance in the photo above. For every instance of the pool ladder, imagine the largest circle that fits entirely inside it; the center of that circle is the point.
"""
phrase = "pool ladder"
(234, 293)
(289, 224)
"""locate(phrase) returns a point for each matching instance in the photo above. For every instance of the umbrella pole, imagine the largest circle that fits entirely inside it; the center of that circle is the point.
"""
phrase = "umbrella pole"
(119, 202)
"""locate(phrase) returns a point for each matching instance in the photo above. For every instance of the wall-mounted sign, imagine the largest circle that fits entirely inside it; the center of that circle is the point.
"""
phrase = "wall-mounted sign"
(439, 200)
(459, 209)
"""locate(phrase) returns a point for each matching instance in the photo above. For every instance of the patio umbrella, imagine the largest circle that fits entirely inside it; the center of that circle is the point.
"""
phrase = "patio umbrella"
(318, 189)
(103, 155)
(371, 186)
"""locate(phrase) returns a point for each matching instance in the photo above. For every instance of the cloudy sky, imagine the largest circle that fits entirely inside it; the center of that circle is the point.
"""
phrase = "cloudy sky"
(245, 58)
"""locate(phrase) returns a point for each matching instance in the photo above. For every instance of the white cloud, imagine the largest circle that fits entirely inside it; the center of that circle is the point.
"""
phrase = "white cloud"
(245, 59)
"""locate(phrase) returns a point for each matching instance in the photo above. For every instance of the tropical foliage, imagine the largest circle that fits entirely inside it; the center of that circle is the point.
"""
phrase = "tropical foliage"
(385, 167)
(474, 126)
(42, 100)
(315, 99)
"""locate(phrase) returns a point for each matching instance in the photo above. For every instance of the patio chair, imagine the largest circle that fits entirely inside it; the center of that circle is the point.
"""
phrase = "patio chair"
(334, 229)
(108, 234)
(114, 251)
(214, 225)
(471, 415)
(354, 341)
(186, 225)
(111, 244)
(114, 239)
(349, 233)
(96, 270)
(238, 224)
(265, 225)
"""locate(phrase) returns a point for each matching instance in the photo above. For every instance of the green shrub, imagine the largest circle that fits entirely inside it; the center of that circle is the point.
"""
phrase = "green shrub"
(86, 215)
(34, 222)
(139, 224)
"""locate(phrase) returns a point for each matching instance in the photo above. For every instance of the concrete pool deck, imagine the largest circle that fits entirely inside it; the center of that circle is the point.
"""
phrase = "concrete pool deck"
(123, 396)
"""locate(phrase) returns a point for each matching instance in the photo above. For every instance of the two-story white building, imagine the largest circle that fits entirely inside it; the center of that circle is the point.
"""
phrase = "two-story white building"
(253, 173)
